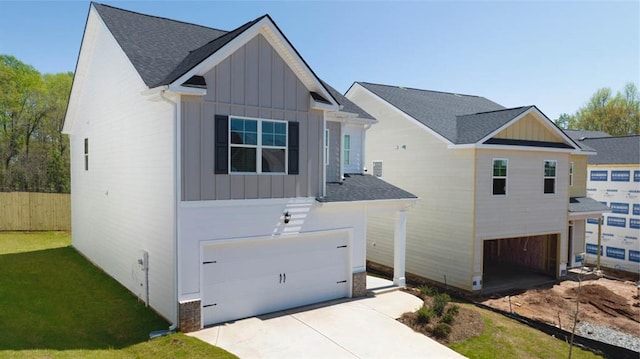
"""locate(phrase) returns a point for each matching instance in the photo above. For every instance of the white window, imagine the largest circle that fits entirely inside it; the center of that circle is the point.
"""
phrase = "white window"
(570, 174)
(347, 149)
(326, 147)
(257, 146)
(499, 176)
(377, 169)
(550, 176)
(86, 154)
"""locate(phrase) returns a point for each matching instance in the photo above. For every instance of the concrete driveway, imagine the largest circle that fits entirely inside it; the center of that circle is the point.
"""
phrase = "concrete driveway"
(359, 328)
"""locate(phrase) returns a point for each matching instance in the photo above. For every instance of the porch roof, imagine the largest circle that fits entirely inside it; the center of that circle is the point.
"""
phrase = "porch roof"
(359, 187)
(578, 205)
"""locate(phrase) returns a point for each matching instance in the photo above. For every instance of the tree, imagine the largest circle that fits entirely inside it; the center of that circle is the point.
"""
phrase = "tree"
(34, 155)
(566, 121)
(617, 115)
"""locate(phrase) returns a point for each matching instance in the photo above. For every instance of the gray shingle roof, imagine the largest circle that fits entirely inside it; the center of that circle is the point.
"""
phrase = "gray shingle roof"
(162, 50)
(347, 105)
(439, 110)
(474, 127)
(359, 187)
(155, 46)
(198, 55)
(580, 134)
(614, 150)
(586, 204)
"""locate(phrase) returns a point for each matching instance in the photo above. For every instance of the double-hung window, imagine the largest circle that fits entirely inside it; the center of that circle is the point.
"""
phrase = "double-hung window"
(500, 177)
(257, 146)
(86, 154)
(550, 176)
(347, 149)
(570, 174)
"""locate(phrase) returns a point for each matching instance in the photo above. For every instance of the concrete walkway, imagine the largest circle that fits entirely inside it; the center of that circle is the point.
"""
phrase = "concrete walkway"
(360, 328)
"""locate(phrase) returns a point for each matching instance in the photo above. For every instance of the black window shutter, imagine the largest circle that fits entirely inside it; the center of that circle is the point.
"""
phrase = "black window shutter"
(294, 147)
(221, 145)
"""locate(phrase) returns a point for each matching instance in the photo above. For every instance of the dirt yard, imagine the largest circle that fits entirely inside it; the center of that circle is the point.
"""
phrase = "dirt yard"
(603, 302)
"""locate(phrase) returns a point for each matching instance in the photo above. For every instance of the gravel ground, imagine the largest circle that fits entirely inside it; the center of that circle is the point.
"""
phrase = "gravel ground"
(608, 335)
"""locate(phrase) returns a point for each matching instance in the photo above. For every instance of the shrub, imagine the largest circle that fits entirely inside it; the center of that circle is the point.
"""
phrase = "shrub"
(454, 309)
(425, 315)
(447, 318)
(441, 330)
(440, 301)
(426, 290)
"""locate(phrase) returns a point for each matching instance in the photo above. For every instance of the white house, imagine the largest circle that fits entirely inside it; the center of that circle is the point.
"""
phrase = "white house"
(209, 173)
(504, 189)
(614, 179)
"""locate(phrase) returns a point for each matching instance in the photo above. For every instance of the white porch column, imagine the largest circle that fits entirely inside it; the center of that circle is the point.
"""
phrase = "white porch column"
(399, 248)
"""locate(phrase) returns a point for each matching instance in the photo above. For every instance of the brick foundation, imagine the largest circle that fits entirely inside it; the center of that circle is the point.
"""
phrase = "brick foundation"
(359, 281)
(189, 316)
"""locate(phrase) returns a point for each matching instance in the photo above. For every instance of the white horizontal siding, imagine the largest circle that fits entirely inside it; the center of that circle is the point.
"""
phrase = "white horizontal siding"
(124, 203)
(241, 219)
(440, 226)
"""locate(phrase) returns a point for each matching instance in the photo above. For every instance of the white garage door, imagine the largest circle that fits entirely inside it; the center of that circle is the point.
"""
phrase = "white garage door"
(247, 278)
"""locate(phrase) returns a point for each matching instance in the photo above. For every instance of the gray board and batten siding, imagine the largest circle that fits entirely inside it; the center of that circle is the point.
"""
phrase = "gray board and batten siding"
(253, 82)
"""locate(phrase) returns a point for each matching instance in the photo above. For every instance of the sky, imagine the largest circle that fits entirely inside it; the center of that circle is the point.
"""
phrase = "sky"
(552, 54)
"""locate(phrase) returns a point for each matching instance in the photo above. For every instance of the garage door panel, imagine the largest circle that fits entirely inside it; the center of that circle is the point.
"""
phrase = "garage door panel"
(261, 276)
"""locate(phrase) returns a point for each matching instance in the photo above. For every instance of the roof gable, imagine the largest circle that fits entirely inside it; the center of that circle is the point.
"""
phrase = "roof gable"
(530, 127)
(169, 52)
(474, 127)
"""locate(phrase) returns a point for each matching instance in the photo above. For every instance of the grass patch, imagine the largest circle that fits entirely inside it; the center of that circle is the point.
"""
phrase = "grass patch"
(54, 303)
(506, 338)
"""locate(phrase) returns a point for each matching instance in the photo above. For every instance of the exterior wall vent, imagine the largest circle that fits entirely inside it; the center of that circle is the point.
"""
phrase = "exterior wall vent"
(377, 169)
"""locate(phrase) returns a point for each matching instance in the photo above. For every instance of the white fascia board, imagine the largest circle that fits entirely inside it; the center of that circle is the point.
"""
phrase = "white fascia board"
(185, 90)
(358, 87)
(382, 204)
(477, 146)
(546, 122)
(278, 42)
(316, 105)
(247, 202)
(349, 118)
(585, 215)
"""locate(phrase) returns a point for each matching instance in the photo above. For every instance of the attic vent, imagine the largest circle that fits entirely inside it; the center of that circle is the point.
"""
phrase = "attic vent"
(196, 82)
(377, 169)
(318, 98)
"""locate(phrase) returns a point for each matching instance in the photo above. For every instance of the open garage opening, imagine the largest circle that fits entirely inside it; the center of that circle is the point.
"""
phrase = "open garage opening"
(519, 263)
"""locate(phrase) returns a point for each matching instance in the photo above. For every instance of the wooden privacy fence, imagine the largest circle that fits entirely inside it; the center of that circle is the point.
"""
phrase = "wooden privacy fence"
(25, 211)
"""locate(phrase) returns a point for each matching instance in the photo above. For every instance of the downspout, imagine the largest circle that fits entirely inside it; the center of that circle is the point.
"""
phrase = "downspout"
(324, 160)
(341, 154)
(176, 188)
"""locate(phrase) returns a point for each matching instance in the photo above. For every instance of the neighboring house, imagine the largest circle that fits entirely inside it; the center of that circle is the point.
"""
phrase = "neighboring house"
(207, 169)
(502, 189)
(614, 180)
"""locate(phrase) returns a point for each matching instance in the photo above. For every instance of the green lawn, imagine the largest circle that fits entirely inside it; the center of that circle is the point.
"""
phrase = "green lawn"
(506, 338)
(54, 303)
